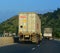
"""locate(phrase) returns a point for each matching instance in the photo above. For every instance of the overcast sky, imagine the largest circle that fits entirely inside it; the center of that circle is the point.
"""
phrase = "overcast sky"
(9, 8)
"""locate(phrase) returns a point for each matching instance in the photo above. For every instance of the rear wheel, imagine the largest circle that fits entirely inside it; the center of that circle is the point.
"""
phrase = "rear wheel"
(35, 39)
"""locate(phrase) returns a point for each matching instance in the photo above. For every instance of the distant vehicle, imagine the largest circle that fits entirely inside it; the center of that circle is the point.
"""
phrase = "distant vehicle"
(29, 27)
(47, 33)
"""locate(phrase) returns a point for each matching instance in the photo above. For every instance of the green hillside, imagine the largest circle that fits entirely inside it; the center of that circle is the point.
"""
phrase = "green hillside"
(49, 19)
(9, 25)
(52, 19)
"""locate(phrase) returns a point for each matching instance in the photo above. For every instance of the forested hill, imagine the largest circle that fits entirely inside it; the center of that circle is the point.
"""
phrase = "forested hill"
(9, 25)
(52, 19)
(49, 19)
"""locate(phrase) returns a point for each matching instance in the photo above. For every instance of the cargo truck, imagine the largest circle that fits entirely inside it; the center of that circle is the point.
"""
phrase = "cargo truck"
(29, 27)
(47, 33)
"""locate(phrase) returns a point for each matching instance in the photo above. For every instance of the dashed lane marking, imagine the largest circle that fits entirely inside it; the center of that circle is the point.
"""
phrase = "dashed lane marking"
(33, 48)
(38, 45)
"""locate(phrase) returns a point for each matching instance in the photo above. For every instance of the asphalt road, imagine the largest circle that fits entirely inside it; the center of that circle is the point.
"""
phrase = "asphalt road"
(46, 46)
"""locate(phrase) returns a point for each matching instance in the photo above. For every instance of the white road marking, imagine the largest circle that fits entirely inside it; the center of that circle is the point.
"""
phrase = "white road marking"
(33, 48)
(38, 45)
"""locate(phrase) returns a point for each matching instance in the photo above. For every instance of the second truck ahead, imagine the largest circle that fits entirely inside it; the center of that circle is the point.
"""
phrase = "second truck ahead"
(29, 27)
(47, 33)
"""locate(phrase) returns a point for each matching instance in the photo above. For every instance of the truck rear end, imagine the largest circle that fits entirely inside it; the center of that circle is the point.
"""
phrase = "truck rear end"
(29, 27)
(48, 33)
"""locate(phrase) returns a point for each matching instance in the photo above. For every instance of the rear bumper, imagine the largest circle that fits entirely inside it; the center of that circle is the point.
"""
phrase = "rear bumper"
(24, 40)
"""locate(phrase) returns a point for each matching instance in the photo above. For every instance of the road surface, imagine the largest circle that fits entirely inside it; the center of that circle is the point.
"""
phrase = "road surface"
(46, 46)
